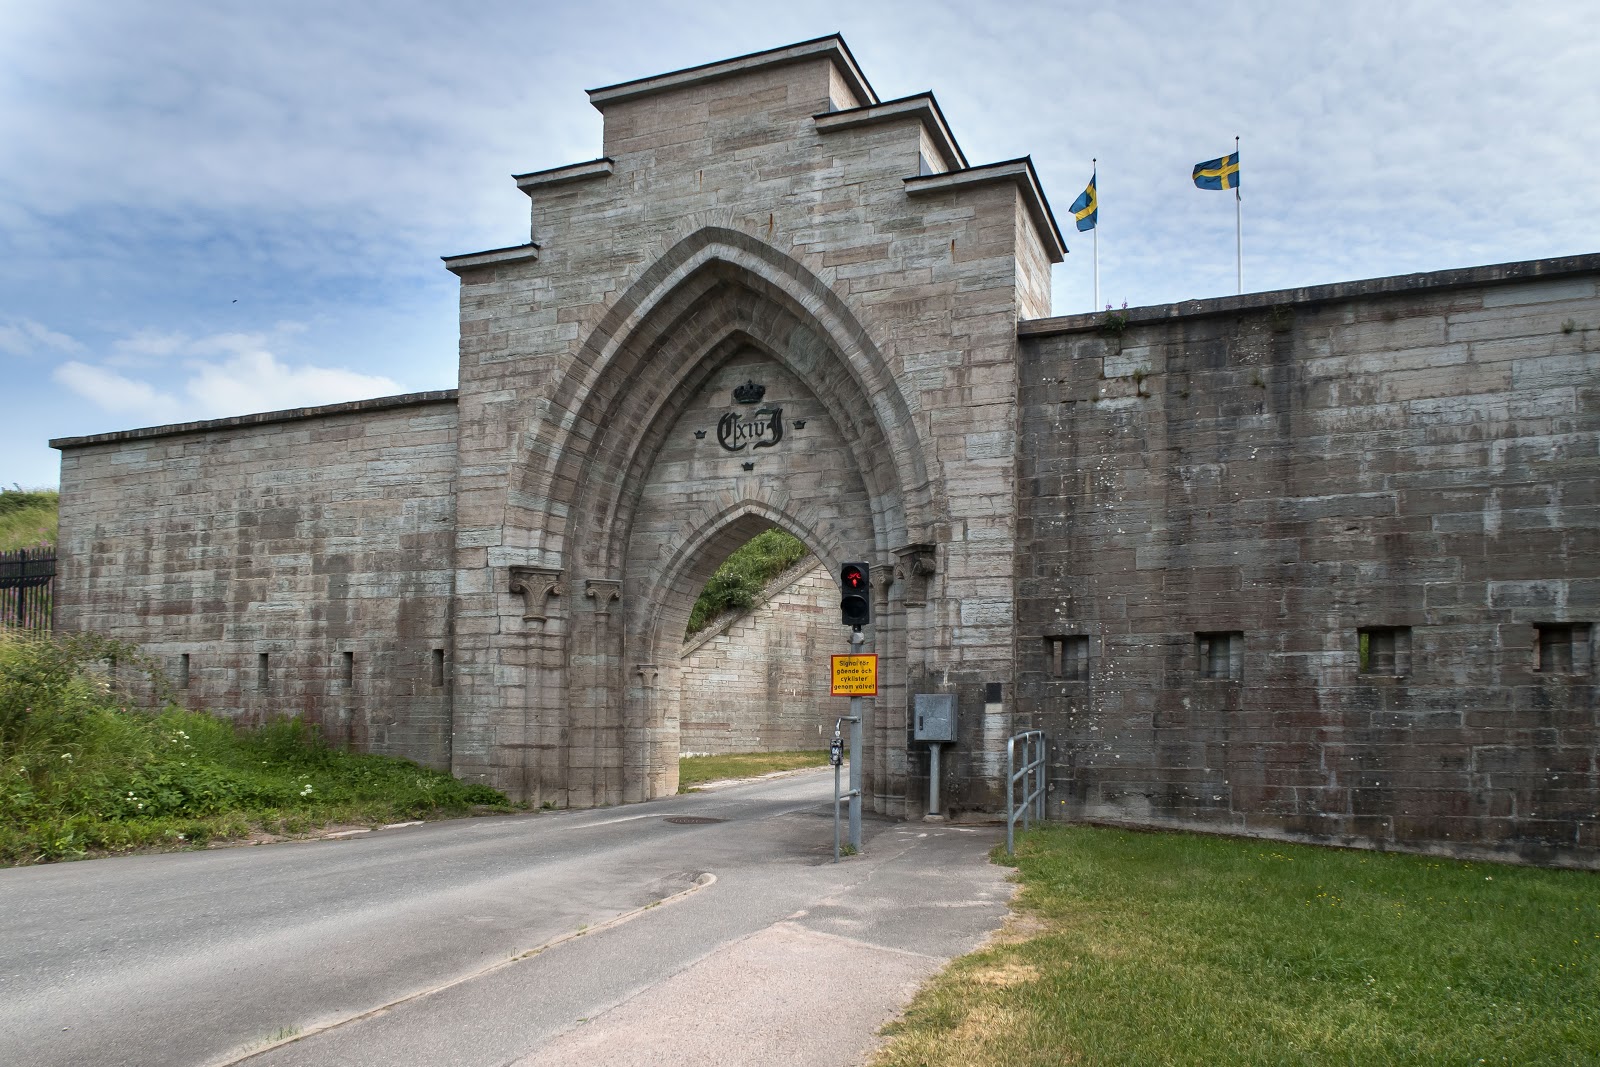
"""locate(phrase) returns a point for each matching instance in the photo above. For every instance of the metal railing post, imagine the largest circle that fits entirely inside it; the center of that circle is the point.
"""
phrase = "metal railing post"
(1032, 777)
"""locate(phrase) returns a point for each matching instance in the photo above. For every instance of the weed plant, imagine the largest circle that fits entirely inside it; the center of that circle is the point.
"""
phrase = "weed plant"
(83, 771)
(1165, 948)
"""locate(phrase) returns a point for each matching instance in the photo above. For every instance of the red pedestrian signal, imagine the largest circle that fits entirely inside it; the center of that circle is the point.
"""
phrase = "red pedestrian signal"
(855, 601)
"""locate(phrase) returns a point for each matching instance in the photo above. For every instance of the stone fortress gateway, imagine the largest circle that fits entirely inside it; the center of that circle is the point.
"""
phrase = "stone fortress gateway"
(1318, 564)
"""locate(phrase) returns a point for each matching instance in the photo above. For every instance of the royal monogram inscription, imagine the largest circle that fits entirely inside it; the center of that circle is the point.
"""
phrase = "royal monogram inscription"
(763, 429)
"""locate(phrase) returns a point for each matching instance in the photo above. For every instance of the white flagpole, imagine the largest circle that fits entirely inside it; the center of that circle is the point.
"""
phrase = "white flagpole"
(1094, 176)
(1238, 222)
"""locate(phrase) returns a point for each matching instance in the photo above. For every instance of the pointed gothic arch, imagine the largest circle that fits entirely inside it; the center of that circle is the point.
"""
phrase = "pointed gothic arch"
(712, 284)
(716, 296)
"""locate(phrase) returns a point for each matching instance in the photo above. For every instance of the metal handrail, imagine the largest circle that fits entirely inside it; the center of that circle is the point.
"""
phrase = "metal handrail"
(1033, 788)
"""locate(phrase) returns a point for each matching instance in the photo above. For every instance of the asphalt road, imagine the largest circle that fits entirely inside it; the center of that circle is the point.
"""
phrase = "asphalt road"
(533, 939)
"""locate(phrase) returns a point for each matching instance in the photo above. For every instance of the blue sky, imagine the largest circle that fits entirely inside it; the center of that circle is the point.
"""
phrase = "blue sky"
(214, 208)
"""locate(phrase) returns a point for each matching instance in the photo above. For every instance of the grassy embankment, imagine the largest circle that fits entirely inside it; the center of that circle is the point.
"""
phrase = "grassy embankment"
(27, 518)
(698, 770)
(1148, 949)
(83, 773)
(744, 575)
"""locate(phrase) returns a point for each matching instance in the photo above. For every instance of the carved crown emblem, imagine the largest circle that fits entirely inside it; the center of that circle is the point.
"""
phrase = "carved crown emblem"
(749, 393)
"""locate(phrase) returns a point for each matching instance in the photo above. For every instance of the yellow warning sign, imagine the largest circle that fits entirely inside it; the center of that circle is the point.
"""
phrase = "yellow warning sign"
(855, 676)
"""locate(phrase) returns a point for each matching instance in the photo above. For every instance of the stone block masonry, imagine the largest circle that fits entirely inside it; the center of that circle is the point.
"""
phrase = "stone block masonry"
(1385, 496)
(294, 563)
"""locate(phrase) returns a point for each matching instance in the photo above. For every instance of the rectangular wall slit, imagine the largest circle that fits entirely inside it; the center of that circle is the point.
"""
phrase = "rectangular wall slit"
(1561, 647)
(1067, 657)
(1385, 650)
(1220, 654)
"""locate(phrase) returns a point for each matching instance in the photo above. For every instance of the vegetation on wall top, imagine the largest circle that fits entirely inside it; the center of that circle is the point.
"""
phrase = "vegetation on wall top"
(27, 518)
(744, 574)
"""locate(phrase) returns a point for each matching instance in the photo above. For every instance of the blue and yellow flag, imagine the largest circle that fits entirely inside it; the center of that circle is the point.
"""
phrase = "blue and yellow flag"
(1218, 173)
(1086, 209)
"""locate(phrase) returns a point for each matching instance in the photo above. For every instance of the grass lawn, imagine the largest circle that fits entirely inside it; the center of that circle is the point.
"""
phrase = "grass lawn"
(698, 770)
(1155, 948)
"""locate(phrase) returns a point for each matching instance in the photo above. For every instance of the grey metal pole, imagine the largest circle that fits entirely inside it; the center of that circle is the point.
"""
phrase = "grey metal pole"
(933, 778)
(1238, 221)
(855, 773)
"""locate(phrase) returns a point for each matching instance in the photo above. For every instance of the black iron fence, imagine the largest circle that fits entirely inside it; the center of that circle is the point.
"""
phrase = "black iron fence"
(27, 586)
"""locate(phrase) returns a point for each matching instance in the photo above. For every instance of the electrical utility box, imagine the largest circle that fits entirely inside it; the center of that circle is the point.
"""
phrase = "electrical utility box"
(935, 718)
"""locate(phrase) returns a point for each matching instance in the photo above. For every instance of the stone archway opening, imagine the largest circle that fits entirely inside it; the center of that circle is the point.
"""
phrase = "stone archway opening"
(750, 672)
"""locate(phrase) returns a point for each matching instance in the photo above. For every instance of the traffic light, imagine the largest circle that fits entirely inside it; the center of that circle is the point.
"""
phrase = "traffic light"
(855, 603)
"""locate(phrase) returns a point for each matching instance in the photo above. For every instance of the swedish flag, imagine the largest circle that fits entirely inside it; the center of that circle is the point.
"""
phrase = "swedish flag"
(1218, 173)
(1086, 209)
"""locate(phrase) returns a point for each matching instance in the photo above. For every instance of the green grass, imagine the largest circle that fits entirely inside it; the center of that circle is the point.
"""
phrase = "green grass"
(82, 772)
(1131, 948)
(698, 770)
(27, 518)
(744, 574)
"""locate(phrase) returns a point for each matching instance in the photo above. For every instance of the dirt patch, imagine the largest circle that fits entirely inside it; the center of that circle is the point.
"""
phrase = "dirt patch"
(1019, 927)
(1004, 975)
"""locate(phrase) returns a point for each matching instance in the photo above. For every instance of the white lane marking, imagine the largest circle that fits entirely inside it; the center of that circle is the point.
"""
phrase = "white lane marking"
(610, 822)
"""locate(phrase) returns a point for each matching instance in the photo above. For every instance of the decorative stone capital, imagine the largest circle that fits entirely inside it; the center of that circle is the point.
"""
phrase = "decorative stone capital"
(536, 584)
(648, 673)
(604, 592)
(915, 565)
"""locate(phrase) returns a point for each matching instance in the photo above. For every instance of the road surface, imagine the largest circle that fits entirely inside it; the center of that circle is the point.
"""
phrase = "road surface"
(612, 936)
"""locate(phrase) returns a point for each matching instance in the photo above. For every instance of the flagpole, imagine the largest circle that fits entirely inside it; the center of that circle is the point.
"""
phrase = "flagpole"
(1238, 223)
(1094, 176)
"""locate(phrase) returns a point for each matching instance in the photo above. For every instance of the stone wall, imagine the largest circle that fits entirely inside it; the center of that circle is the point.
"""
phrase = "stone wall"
(1290, 557)
(296, 563)
(758, 681)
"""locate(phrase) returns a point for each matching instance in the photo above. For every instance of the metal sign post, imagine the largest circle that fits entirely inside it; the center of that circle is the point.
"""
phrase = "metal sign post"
(856, 640)
(854, 675)
(854, 796)
(855, 773)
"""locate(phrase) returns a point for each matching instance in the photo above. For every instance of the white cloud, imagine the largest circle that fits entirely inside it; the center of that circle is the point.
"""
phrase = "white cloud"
(24, 337)
(222, 374)
(115, 393)
(146, 345)
(254, 380)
